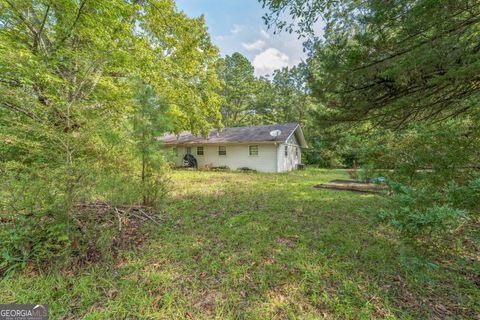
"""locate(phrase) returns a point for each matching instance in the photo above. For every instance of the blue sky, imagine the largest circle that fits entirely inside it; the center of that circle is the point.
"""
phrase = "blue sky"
(237, 26)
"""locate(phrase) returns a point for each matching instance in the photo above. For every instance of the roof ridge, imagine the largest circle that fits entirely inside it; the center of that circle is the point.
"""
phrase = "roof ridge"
(257, 133)
(263, 125)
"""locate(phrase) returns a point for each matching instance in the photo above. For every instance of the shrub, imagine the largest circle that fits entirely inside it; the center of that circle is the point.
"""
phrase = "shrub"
(421, 214)
(431, 169)
(35, 228)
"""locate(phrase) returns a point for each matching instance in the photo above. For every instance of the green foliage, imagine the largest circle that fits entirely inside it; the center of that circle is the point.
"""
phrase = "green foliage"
(465, 196)
(33, 226)
(389, 62)
(420, 213)
(433, 178)
(332, 148)
(384, 64)
(69, 108)
(254, 101)
(431, 155)
(406, 74)
(292, 100)
(150, 119)
(262, 246)
(25, 240)
(238, 89)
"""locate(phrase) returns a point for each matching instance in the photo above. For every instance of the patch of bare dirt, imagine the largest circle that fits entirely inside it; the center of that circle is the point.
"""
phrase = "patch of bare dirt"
(290, 242)
(206, 302)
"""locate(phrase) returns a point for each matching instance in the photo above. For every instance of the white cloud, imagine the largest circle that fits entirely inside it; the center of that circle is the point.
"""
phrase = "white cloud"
(259, 44)
(237, 28)
(269, 60)
(264, 34)
(254, 46)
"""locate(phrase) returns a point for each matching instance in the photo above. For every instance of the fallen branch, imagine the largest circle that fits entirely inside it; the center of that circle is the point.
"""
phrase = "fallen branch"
(119, 219)
(122, 210)
(149, 217)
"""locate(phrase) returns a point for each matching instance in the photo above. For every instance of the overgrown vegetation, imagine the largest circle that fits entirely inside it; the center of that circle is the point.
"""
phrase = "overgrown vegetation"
(433, 176)
(263, 246)
(75, 124)
(86, 86)
(400, 94)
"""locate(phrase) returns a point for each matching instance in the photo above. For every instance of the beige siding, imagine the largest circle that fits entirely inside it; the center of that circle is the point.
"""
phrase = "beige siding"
(271, 157)
(237, 157)
(293, 158)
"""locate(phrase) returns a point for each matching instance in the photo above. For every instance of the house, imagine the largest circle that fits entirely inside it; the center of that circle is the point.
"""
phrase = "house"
(268, 148)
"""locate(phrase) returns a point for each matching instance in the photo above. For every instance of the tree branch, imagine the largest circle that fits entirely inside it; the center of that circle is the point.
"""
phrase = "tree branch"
(28, 113)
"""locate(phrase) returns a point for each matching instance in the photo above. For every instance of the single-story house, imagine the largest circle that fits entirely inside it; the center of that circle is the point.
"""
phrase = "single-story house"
(267, 148)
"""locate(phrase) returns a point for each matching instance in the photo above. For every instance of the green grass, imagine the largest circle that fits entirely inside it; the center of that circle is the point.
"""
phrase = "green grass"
(259, 246)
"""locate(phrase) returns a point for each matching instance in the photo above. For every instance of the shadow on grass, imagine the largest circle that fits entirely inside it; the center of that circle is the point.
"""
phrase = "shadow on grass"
(258, 246)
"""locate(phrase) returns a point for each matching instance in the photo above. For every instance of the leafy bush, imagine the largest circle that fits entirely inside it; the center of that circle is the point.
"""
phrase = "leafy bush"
(466, 196)
(33, 227)
(419, 213)
(24, 240)
(431, 169)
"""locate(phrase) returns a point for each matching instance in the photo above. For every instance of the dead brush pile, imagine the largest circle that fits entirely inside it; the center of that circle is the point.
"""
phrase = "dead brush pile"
(105, 230)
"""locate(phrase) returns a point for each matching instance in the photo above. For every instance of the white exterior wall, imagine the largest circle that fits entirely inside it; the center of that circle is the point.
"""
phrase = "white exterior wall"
(237, 157)
(293, 158)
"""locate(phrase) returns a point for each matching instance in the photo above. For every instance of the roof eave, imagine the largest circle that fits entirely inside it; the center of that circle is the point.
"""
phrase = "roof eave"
(302, 141)
(219, 143)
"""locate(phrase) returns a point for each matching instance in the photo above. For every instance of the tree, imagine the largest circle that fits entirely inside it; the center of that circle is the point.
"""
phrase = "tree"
(391, 62)
(404, 75)
(65, 69)
(238, 89)
(150, 119)
(66, 92)
(293, 101)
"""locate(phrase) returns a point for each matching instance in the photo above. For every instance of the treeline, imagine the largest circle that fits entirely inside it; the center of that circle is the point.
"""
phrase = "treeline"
(85, 87)
(398, 90)
(283, 97)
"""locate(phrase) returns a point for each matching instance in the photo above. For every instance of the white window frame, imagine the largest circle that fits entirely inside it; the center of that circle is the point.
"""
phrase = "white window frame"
(285, 152)
(222, 155)
(188, 150)
(250, 150)
(203, 151)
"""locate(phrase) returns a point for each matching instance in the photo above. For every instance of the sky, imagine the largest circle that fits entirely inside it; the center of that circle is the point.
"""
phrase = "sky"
(237, 26)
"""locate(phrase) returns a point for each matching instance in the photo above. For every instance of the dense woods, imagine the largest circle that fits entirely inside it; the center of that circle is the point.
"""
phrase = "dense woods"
(86, 87)
(94, 220)
(399, 88)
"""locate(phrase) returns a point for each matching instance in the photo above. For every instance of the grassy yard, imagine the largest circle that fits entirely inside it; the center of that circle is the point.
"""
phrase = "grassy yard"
(259, 246)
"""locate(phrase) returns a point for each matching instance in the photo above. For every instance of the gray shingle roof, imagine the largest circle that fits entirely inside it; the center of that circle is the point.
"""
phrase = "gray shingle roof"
(234, 135)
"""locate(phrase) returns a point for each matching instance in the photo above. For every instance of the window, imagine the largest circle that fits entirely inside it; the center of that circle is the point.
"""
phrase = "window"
(253, 150)
(175, 151)
(296, 151)
(286, 151)
(199, 151)
(222, 150)
(189, 150)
